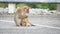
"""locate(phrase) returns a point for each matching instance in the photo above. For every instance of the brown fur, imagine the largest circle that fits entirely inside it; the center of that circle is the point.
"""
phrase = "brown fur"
(20, 15)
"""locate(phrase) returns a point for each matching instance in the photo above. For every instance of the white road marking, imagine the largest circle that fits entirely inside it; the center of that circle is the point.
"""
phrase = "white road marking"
(6, 21)
(35, 24)
(48, 26)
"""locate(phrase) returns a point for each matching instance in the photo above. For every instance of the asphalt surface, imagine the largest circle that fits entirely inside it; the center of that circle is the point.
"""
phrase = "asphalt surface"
(45, 24)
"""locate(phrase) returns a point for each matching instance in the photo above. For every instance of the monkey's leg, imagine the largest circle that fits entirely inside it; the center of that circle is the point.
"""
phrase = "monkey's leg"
(25, 22)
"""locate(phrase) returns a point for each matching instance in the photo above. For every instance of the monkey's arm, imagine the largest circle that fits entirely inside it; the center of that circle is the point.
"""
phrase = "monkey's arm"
(16, 16)
(16, 19)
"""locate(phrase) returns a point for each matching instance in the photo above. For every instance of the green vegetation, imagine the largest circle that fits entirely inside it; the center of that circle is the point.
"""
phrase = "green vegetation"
(20, 5)
(52, 6)
(42, 6)
(3, 5)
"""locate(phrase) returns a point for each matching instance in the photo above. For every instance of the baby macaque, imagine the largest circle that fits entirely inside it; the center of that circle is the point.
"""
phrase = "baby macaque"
(21, 18)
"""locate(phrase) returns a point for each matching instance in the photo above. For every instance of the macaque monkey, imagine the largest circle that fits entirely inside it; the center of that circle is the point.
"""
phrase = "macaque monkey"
(21, 18)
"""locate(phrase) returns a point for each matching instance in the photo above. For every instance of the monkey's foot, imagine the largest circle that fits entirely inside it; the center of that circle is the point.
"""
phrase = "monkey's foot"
(26, 24)
(17, 25)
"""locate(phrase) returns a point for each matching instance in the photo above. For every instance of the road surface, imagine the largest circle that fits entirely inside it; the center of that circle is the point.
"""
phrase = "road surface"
(44, 25)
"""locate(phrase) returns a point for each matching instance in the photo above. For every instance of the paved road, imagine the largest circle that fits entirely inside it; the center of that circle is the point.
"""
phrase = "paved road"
(44, 25)
(51, 20)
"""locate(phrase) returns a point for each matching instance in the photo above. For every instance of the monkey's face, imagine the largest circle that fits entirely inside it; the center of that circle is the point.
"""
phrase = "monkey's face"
(26, 9)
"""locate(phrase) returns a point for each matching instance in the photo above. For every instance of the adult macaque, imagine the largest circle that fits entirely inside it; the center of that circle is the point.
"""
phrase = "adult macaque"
(21, 18)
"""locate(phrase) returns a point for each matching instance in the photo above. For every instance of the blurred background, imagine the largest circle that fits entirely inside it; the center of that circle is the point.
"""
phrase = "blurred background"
(34, 8)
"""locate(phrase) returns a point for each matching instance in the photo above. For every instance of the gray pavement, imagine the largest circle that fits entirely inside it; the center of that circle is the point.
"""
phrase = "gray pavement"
(48, 24)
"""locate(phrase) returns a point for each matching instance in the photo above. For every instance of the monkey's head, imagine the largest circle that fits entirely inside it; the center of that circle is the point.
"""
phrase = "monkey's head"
(25, 8)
